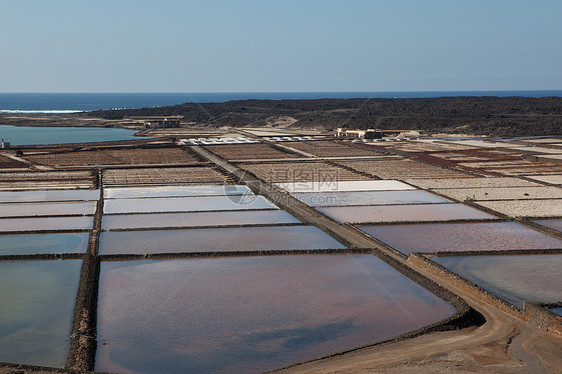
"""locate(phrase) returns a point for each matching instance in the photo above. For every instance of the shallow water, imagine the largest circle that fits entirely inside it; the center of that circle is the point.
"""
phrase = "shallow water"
(187, 204)
(369, 198)
(515, 278)
(28, 244)
(251, 314)
(46, 223)
(216, 240)
(555, 224)
(36, 310)
(131, 221)
(51, 209)
(556, 311)
(28, 135)
(168, 191)
(397, 213)
(49, 195)
(345, 186)
(440, 237)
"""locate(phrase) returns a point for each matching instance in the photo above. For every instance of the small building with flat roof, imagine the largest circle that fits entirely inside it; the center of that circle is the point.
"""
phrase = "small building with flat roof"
(158, 121)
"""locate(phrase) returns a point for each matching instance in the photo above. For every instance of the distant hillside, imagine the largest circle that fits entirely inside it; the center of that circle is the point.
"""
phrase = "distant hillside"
(507, 116)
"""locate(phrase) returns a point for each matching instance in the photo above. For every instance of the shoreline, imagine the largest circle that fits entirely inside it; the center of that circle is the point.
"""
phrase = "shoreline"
(491, 116)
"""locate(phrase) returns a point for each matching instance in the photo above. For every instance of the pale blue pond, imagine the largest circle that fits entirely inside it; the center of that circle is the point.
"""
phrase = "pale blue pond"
(319, 199)
(29, 244)
(555, 224)
(28, 135)
(48, 195)
(556, 311)
(199, 219)
(216, 240)
(514, 278)
(36, 310)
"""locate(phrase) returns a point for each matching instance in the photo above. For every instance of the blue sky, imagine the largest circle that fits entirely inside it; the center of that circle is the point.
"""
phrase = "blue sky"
(306, 45)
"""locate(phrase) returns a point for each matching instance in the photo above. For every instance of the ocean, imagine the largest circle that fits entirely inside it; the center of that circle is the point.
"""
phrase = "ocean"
(80, 102)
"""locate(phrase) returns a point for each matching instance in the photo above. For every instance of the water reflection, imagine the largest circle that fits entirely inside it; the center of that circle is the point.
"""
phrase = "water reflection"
(49, 195)
(397, 213)
(187, 204)
(440, 237)
(51, 209)
(216, 240)
(556, 311)
(36, 310)
(515, 278)
(46, 224)
(28, 244)
(168, 191)
(263, 217)
(251, 314)
(369, 198)
(555, 224)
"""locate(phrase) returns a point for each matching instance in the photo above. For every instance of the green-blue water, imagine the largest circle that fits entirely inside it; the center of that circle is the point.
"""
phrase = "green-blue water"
(27, 135)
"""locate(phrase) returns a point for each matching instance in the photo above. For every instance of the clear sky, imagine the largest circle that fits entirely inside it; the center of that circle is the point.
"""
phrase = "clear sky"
(281, 45)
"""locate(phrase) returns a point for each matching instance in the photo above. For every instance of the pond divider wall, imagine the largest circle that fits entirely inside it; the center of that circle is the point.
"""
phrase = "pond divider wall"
(534, 315)
(83, 343)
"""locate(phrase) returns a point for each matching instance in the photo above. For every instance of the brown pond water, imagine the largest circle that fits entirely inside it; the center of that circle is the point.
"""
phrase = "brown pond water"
(50, 209)
(187, 204)
(36, 310)
(443, 237)
(215, 240)
(129, 221)
(369, 198)
(251, 314)
(46, 223)
(49, 195)
(29, 244)
(514, 278)
(397, 213)
(168, 191)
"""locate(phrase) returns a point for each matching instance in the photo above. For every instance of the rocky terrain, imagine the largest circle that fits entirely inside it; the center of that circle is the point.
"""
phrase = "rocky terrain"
(507, 116)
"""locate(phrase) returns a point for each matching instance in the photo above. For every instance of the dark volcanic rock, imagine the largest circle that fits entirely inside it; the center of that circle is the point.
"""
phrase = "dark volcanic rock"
(500, 116)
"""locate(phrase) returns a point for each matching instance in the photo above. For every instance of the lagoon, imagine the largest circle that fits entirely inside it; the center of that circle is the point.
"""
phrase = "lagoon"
(31, 135)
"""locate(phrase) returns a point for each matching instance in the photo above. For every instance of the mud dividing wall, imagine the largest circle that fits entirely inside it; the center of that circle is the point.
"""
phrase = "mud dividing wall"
(533, 314)
(543, 319)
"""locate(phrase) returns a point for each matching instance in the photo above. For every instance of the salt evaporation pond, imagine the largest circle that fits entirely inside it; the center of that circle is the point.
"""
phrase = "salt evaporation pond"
(251, 314)
(36, 310)
(46, 224)
(398, 213)
(216, 240)
(345, 186)
(369, 198)
(186, 204)
(48, 195)
(49, 209)
(168, 191)
(514, 278)
(555, 224)
(199, 219)
(454, 237)
(29, 244)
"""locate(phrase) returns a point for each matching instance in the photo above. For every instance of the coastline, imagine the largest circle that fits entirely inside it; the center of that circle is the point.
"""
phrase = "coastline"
(492, 116)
